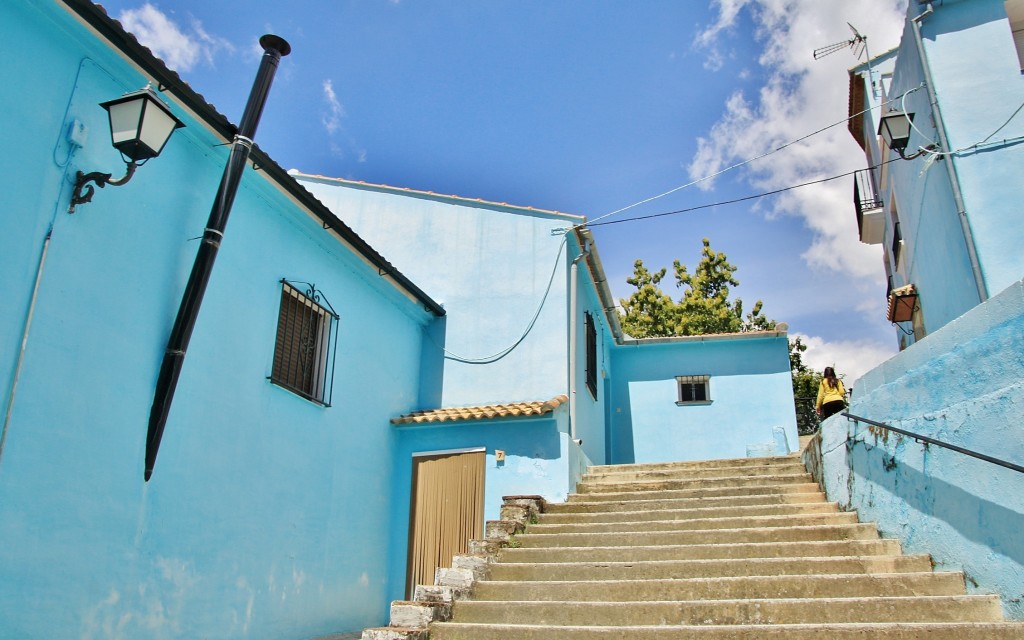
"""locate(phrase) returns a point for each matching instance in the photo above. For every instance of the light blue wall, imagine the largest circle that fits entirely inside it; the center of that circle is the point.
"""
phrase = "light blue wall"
(750, 388)
(263, 517)
(934, 255)
(538, 455)
(489, 266)
(976, 77)
(591, 411)
(964, 385)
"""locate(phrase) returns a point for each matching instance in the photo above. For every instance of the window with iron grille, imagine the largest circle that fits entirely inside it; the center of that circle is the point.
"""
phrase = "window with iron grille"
(307, 335)
(694, 389)
(591, 334)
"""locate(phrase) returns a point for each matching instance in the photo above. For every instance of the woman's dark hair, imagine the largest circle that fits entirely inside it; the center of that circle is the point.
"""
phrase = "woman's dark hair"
(830, 378)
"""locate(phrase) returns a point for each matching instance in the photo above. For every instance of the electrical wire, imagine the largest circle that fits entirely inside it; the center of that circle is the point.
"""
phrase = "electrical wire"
(743, 199)
(448, 355)
(747, 161)
(932, 149)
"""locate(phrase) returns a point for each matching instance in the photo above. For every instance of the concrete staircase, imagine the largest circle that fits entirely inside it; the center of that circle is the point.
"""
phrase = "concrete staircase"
(745, 548)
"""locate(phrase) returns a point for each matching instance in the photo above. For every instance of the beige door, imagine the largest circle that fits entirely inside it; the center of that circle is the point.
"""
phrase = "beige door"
(447, 511)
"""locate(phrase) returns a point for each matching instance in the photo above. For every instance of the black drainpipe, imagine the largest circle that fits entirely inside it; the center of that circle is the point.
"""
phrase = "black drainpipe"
(274, 49)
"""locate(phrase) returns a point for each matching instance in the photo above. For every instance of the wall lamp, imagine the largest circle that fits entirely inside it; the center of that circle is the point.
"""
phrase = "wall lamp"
(140, 126)
(895, 131)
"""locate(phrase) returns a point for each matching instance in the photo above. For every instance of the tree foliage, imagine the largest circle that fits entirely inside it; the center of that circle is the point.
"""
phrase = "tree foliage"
(704, 307)
(805, 388)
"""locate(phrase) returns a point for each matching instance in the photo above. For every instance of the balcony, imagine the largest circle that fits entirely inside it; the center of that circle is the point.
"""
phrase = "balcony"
(870, 219)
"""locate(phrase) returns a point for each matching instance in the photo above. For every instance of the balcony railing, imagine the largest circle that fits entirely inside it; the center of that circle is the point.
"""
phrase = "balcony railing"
(868, 205)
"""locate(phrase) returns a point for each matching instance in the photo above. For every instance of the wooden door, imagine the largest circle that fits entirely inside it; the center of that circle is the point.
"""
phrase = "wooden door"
(447, 511)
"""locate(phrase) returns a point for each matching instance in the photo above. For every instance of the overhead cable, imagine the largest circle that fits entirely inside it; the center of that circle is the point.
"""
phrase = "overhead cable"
(735, 200)
(744, 162)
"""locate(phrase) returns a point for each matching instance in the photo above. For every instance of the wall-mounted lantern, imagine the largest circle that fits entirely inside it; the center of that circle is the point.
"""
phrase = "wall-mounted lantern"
(140, 126)
(895, 130)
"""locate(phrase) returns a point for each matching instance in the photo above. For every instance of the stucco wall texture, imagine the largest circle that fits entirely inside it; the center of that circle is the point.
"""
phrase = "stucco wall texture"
(964, 385)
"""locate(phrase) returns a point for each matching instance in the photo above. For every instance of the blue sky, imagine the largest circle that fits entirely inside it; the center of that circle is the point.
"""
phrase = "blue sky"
(584, 107)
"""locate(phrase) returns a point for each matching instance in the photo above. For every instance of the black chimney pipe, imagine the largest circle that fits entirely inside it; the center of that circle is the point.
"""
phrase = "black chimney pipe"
(274, 49)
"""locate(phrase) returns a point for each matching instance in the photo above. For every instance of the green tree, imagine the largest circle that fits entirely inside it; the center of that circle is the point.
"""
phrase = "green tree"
(704, 307)
(649, 313)
(805, 388)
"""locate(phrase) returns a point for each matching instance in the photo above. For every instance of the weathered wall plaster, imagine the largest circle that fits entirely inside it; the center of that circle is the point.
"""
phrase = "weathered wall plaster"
(963, 384)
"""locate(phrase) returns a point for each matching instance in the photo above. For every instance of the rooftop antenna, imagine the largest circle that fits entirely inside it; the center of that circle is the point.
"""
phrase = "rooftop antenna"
(858, 44)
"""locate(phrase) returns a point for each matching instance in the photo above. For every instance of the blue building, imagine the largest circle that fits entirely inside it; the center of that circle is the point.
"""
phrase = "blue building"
(326, 387)
(948, 218)
(945, 203)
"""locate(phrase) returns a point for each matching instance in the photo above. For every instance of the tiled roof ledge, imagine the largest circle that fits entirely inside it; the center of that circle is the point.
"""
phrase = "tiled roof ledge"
(711, 337)
(483, 412)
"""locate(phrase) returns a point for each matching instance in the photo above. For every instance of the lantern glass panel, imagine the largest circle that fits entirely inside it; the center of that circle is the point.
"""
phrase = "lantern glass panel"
(124, 120)
(157, 126)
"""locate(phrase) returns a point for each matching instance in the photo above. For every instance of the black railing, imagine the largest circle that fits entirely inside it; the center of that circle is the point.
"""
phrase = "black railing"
(938, 443)
(865, 196)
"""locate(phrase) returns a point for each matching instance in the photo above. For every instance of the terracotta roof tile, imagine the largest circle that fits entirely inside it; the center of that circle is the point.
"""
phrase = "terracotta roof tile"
(483, 412)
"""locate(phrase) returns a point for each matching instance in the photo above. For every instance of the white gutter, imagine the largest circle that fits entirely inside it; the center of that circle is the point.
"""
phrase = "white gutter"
(954, 177)
(573, 348)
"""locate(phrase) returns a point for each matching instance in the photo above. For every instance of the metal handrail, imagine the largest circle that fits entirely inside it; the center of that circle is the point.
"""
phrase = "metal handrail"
(938, 443)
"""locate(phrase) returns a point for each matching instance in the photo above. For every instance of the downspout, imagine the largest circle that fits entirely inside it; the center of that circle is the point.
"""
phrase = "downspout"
(573, 348)
(24, 340)
(274, 49)
(954, 178)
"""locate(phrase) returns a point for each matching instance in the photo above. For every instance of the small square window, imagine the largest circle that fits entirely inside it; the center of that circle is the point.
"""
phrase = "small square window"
(694, 390)
(304, 348)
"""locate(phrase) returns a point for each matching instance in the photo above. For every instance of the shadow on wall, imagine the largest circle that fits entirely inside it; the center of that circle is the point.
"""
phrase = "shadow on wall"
(976, 519)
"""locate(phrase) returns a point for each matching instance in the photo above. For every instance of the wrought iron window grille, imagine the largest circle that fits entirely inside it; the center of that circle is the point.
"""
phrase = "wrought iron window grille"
(591, 336)
(306, 342)
(694, 389)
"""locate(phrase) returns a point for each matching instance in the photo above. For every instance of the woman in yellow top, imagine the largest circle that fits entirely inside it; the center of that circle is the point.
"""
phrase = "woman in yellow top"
(831, 395)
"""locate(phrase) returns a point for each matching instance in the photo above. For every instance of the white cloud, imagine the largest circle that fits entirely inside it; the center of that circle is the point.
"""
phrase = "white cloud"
(800, 96)
(179, 49)
(335, 110)
(851, 358)
(333, 121)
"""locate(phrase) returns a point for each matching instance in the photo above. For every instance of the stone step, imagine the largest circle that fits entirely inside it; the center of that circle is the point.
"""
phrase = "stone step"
(692, 524)
(792, 494)
(690, 513)
(713, 551)
(701, 536)
(673, 569)
(728, 588)
(790, 467)
(695, 483)
(695, 464)
(851, 631)
(736, 612)
(627, 493)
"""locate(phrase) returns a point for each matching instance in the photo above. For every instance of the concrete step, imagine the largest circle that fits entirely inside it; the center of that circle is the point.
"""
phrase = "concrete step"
(627, 492)
(694, 484)
(713, 551)
(758, 587)
(679, 569)
(736, 612)
(791, 494)
(695, 464)
(789, 467)
(701, 536)
(691, 524)
(690, 513)
(851, 631)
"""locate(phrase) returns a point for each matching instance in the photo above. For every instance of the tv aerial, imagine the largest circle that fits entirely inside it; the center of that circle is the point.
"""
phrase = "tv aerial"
(858, 43)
